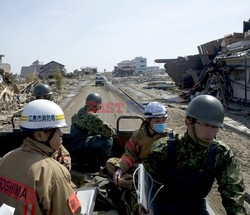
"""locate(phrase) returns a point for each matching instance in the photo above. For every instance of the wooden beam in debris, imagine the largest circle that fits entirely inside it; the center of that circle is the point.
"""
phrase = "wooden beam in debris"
(28, 87)
(5, 92)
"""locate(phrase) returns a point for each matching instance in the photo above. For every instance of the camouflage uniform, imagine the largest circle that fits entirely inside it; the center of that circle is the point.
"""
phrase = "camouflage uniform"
(136, 149)
(91, 138)
(188, 173)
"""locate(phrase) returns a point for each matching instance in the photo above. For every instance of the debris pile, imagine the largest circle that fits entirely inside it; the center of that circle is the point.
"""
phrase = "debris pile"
(221, 69)
(12, 96)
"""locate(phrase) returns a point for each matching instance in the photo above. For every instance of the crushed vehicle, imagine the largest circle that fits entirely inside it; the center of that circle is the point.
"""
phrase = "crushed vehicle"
(99, 80)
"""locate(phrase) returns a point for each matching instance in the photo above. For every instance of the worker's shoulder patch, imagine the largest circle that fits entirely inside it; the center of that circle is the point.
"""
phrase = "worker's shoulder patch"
(73, 203)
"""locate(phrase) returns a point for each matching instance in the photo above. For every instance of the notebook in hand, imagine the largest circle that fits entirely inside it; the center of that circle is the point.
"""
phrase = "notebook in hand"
(87, 197)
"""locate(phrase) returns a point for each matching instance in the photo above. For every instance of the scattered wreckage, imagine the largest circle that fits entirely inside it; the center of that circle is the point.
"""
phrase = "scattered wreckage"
(12, 95)
(221, 69)
(15, 94)
(160, 85)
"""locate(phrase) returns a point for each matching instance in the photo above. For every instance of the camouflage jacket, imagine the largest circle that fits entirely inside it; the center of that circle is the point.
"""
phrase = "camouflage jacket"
(91, 123)
(137, 148)
(191, 157)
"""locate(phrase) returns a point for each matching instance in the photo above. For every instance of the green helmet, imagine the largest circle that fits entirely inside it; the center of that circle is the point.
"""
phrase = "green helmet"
(94, 98)
(207, 109)
(42, 91)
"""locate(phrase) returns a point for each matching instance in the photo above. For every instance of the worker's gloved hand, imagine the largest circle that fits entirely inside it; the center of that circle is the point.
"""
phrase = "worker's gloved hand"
(117, 176)
(126, 181)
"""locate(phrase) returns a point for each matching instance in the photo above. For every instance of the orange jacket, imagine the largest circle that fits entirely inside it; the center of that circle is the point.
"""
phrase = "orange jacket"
(137, 148)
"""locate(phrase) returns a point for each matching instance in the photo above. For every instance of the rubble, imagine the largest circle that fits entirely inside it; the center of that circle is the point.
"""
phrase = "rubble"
(161, 85)
(13, 101)
(10, 94)
(221, 69)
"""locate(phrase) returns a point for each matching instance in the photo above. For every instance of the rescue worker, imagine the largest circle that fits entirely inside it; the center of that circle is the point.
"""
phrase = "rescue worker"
(139, 145)
(188, 165)
(42, 91)
(91, 137)
(32, 181)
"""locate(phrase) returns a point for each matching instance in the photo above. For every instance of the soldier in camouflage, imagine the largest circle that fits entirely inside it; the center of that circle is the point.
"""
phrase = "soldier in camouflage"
(91, 137)
(188, 166)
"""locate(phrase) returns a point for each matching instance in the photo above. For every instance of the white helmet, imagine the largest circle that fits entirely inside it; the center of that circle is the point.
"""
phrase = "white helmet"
(155, 110)
(42, 114)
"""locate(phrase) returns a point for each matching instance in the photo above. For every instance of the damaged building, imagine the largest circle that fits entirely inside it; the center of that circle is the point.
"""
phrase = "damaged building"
(124, 68)
(42, 70)
(222, 68)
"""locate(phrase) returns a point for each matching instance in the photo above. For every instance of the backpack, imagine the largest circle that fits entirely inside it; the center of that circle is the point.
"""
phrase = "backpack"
(108, 194)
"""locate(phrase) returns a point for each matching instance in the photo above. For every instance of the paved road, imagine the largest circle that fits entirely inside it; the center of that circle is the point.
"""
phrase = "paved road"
(114, 105)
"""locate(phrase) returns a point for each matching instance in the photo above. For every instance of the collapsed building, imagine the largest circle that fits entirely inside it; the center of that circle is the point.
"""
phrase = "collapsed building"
(221, 69)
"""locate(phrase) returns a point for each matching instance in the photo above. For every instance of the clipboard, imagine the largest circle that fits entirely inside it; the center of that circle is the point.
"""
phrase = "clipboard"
(145, 185)
(87, 197)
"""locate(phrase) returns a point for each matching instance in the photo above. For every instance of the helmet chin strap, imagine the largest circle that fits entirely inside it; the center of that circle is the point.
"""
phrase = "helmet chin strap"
(197, 139)
(148, 127)
(53, 131)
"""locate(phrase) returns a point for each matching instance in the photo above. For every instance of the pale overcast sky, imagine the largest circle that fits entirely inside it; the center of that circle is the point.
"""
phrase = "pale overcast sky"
(102, 33)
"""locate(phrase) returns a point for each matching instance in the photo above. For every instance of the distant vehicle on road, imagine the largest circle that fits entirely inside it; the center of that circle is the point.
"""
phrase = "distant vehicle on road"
(99, 80)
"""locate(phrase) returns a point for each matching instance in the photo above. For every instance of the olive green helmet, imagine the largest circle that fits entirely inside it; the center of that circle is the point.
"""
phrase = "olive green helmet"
(42, 91)
(207, 109)
(93, 98)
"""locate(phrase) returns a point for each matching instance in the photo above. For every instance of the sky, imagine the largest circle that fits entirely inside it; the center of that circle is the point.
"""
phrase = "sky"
(102, 33)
